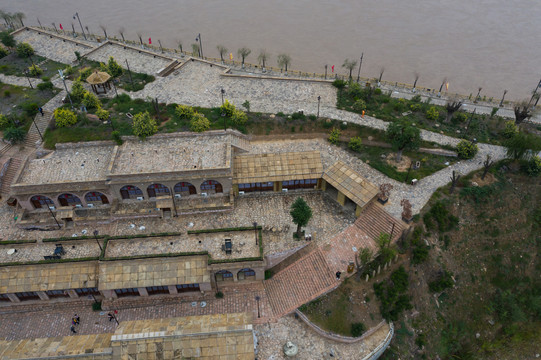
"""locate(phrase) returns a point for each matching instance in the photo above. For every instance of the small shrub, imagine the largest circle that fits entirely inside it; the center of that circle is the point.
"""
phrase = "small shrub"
(357, 329)
(219, 295)
(91, 101)
(24, 50)
(7, 39)
(77, 91)
(460, 117)
(199, 123)
(84, 73)
(239, 117)
(35, 70)
(7, 93)
(116, 137)
(14, 134)
(46, 85)
(359, 105)
(228, 109)
(102, 114)
(30, 109)
(144, 125)
(510, 130)
(3, 52)
(439, 213)
(355, 144)
(280, 114)
(96, 306)
(298, 116)
(113, 68)
(268, 274)
(377, 91)
(334, 137)
(184, 112)
(339, 84)
(533, 166)
(312, 117)
(416, 99)
(246, 105)
(415, 107)
(77, 55)
(123, 98)
(64, 117)
(69, 70)
(432, 113)
(466, 149)
(444, 281)
(4, 121)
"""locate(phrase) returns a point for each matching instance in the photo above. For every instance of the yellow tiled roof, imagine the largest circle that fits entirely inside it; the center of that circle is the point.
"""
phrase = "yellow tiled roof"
(218, 336)
(277, 167)
(350, 183)
(43, 277)
(124, 274)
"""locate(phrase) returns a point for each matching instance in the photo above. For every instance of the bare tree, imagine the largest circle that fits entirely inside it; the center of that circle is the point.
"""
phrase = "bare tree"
(8, 18)
(416, 74)
(478, 96)
(104, 29)
(179, 44)
(406, 212)
(487, 164)
(121, 31)
(20, 16)
(452, 106)
(140, 36)
(384, 191)
(349, 65)
(88, 31)
(522, 112)
(441, 86)
(284, 61)
(454, 179)
(381, 74)
(223, 51)
(196, 51)
(262, 59)
(243, 53)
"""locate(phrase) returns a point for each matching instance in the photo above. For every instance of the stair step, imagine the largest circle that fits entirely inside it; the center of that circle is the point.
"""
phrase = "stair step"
(7, 179)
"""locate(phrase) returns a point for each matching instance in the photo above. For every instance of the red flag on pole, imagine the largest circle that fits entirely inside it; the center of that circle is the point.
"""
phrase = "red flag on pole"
(61, 28)
(332, 68)
(149, 41)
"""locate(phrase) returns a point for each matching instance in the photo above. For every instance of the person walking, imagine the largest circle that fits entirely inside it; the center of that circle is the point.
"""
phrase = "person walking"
(73, 329)
(77, 319)
(40, 111)
(111, 316)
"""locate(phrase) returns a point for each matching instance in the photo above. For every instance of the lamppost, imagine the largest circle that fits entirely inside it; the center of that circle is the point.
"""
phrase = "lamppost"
(65, 87)
(255, 229)
(77, 15)
(360, 64)
(257, 298)
(37, 128)
(318, 101)
(96, 233)
(326, 71)
(198, 38)
(223, 93)
(30, 82)
(52, 214)
(225, 124)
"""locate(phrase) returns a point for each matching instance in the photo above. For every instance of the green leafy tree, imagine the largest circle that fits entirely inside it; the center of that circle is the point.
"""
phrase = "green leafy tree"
(199, 123)
(386, 251)
(284, 61)
(7, 39)
(432, 113)
(239, 117)
(84, 73)
(246, 105)
(355, 144)
(466, 149)
(301, 213)
(64, 118)
(403, 136)
(223, 51)
(3, 52)
(14, 134)
(77, 91)
(184, 112)
(357, 329)
(510, 130)
(24, 50)
(102, 114)
(533, 167)
(243, 53)
(359, 105)
(35, 70)
(263, 58)
(115, 70)
(228, 109)
(349, 65)
(523, 146)
(144, 125)
(91, 101)
(334, 137)
(4, 121)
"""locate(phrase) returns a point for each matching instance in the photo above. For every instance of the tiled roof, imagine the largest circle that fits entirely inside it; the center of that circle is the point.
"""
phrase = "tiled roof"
(374, 220)
(350, 183)
(43, 277)
(122, 274)
(277, 167)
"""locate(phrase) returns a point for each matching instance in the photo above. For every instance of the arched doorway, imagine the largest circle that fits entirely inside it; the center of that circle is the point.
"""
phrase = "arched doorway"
(130, 192)
(185, 189)
(211, 187)
(40, 201)
(96, 198)
(157, 190)
(246, 274)
(68, 200)
(223, 275)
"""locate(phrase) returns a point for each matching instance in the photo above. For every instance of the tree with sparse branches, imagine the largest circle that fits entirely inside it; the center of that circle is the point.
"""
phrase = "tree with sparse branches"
(121, 31)
(487, 164)
(20, 16)
(454, 179)
(223, 51)
(301, 214)
(243, 53)
(416, 74)
(195, 50)
(104, 29)
(179, 44)
(523, 146)
(7, 39)
(386, 251)
(284, 61)
(349, 65)
(522, 112)
(403, 136)
(364, 258)
(452, 106)
(262, 59)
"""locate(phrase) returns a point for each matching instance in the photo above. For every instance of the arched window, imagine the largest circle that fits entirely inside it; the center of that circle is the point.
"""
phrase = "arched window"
(96, 198)
(223, 275)
(39, 201)
(246, 274)
(130, 192)
(68, 200)
(211, 187)
(156, 190)
(185, 189)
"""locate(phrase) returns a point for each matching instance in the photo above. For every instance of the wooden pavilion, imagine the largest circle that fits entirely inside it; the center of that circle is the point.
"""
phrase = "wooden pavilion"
(100, 82)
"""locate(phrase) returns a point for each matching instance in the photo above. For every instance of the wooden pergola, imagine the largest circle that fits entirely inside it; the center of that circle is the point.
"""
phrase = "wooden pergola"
(99, 82)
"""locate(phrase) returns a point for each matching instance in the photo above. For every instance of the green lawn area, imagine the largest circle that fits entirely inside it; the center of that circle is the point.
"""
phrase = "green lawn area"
(14, 65)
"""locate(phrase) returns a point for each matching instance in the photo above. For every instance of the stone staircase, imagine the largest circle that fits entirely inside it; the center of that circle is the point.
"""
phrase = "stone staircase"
(42, 122)
(374, 220)
(304, 280)
(8, 176)
(5, 149)
(168, 69)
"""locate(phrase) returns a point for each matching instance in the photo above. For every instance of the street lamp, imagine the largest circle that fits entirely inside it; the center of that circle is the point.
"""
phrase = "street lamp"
(318, 101)
(30, 82)
(77, 15)
(257, 298)
(223, 93)
(225, 124)
(326, 71)
(360, 64)
(37, 128)
(198, 38)
(65, 87)
(96, 232)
